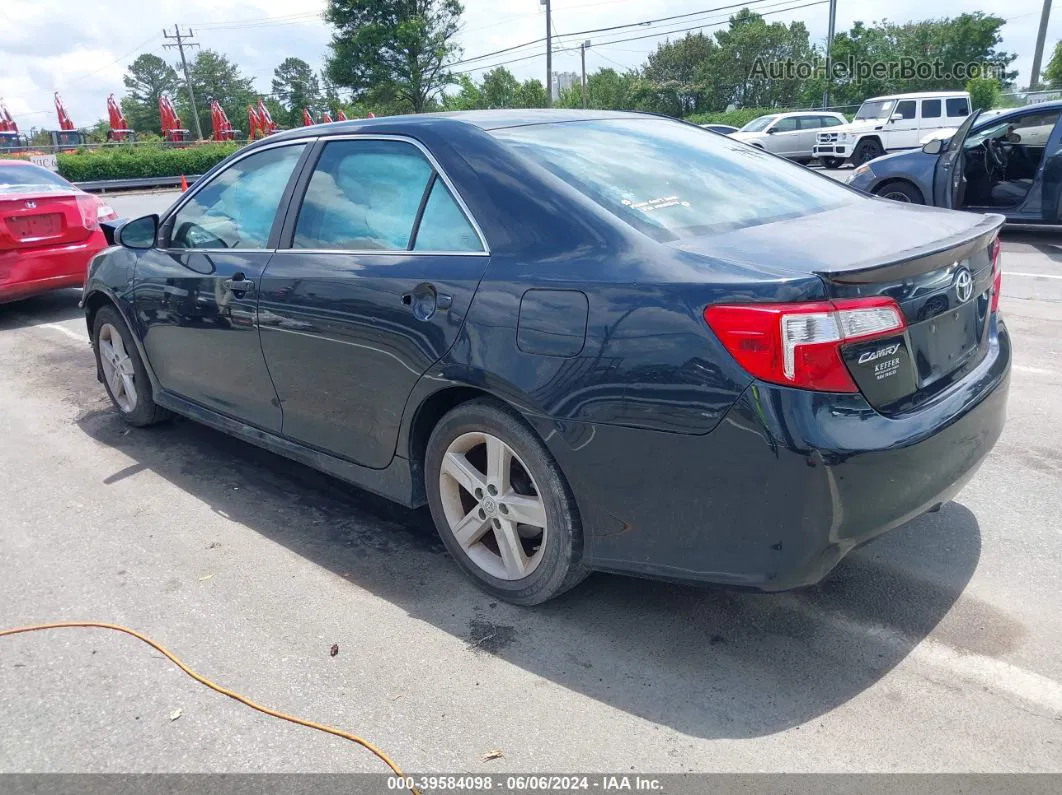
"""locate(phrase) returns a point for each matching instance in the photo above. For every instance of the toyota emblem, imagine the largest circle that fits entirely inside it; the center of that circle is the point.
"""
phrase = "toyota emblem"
(964, 285)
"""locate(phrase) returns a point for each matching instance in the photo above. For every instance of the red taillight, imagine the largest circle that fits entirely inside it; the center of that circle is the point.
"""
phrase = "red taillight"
(89, 207)
(800, 344)
(997, 274)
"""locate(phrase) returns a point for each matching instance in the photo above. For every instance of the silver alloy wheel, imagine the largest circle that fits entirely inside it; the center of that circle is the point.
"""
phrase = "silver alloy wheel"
(493, 506)
(117, 368)
(897, 196)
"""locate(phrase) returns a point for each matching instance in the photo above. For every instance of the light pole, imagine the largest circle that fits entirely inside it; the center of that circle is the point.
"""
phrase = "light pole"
(829, 49)
(549, 54)
(582, 54)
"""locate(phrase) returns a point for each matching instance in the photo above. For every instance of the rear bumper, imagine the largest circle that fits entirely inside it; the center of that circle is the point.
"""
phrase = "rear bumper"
(34, 271)
(787, 484)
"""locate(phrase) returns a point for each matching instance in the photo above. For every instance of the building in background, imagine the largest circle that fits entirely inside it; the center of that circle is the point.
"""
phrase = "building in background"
(562, 81)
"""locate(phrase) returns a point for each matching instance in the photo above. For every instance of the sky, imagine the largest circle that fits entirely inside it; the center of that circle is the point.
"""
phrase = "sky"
(70, 46)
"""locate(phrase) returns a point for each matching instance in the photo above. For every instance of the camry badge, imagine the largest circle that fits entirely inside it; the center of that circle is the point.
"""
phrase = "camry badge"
(964, 285)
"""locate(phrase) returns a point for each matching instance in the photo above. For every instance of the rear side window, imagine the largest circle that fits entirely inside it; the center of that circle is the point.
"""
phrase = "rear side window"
(236, 209)
(930, 108)
(363, 196)
(810, 122)
(958, 107)
(906, 108)
(443, 227)
(669, 180)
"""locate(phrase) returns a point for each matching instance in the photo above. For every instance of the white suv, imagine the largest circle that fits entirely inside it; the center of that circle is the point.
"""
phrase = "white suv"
(790, 135)
(887, 124)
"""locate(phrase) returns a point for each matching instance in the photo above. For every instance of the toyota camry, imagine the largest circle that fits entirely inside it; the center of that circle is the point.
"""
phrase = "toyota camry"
(586, 340)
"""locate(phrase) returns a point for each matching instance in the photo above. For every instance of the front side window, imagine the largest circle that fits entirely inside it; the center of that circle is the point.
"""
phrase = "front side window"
(958, 107)
(236, 209)
(669, 180)
(759, 124)
(363, 196)
(875, 109)
(788, 124)
(906, 108)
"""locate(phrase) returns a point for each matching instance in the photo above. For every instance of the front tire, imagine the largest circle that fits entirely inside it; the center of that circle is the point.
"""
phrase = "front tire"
(831, 162)
(124, 376)
(501, 505)
(867, 150)
(900, 192)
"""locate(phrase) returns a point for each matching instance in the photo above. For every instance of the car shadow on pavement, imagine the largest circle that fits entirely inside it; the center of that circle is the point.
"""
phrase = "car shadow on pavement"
(1046, 242)
(709, 663)
(51, 307)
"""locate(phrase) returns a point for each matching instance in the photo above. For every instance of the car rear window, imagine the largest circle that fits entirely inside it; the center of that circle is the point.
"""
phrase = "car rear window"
(20, 175)
(670, 180)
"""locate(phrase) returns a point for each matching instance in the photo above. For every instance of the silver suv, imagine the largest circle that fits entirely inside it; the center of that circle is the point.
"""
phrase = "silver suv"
(790, 135)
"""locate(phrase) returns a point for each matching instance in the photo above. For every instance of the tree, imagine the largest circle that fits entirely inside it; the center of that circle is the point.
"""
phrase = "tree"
(531, 94)
(499, 88)
(403, 47)
(1052, 75)
(295, 87)
(215, 76)
(147, 78)
(984, 91)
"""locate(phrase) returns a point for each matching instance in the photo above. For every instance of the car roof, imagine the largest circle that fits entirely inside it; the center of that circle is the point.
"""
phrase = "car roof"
(919, 95)
(484, 119)
(782, 115)
(11, 161)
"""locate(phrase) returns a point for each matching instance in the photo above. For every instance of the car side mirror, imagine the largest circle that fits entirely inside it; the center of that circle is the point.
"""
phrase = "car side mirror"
(771, 131)
(139, 234)
(934, 147)
(896, 117)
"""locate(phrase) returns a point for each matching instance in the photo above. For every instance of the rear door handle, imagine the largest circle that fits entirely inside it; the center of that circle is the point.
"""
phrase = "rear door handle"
(238, 285)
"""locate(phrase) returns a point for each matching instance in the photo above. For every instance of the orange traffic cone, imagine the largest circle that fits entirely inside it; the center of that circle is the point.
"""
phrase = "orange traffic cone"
(184, 184)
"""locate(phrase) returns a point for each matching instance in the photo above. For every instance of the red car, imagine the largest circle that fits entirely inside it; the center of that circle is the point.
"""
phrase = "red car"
(49, 230)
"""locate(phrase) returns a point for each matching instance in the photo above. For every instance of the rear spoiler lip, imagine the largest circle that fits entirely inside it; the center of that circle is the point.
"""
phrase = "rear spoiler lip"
(938, 254)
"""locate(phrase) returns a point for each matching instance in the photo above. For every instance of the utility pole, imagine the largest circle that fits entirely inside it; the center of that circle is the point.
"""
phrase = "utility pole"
(829, 53)
(1038, 54)
(582, 54)
(549, 54)
(184, 40)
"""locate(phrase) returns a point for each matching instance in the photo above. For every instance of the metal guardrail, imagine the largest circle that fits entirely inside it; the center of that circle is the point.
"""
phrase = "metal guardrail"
(137, 183)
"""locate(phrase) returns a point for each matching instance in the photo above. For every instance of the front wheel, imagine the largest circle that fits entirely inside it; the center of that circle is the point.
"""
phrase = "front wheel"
(866, 151)
(123, 372)
(501, 505)
(831, 162)
(900, 192)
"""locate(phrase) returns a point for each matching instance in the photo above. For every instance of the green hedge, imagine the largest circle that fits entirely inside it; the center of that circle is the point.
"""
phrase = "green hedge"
(128, 162)
(735, 118)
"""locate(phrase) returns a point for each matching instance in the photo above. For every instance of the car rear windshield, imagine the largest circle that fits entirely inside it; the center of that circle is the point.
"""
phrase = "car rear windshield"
(18, 176)
(670, 180)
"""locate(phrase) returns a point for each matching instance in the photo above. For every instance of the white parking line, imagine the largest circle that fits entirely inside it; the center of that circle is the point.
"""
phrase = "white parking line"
(1034, 275)
(64, 330)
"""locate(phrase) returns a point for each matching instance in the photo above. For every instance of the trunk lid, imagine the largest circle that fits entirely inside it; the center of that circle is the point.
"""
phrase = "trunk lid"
(936, 264)
(41, 217)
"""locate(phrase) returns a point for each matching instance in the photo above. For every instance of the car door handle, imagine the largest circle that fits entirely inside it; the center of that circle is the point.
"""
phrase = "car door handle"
(238, 285)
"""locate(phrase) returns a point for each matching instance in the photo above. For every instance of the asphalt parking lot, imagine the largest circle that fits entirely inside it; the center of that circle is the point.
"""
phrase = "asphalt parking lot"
(933, 649)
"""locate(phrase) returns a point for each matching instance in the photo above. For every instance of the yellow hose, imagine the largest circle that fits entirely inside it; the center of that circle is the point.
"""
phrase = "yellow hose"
(215, 687)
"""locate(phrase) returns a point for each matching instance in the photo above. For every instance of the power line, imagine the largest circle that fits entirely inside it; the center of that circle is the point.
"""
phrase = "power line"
(642, 23)
(655, 34)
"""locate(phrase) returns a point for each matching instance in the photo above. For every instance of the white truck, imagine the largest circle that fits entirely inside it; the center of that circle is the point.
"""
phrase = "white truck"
(891, 123)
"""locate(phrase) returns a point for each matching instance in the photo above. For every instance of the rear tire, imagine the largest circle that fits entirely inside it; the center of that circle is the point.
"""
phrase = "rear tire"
(484, 468)
(902, 192)
(867, 150)
(124, 376)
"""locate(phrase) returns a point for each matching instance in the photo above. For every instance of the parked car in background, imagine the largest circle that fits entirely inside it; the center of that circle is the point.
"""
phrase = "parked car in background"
(586, 339)
(723, 129)
(790, 135)
(49, 230)
(891, 123)
(1008, 162)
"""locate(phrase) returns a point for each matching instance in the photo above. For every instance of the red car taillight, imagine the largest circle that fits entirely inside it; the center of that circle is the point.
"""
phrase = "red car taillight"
(89, 207)
(799, 345)
(997, 274)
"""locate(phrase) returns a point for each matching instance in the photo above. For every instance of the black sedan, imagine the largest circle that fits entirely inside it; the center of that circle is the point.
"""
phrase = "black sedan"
(586, 340)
